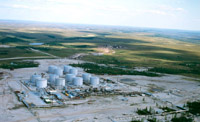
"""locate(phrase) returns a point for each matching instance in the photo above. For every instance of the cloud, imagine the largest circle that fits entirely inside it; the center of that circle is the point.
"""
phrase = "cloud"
(171, 9)
(20, 6)
(180, 9)
(153, 11)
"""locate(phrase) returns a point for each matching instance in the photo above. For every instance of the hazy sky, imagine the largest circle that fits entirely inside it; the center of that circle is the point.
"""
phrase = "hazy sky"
(175, 14)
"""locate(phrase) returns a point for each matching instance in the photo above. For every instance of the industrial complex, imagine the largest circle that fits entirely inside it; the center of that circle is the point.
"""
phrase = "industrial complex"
(56, 91)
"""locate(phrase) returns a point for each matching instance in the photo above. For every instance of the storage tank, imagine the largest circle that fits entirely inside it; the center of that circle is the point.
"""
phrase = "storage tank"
(60, 82)
(58, 71)
(69, 77)
(41, 83)
(33, 77)
(78, 81)
(86, 77)
(52, 78)
(73, 71)
(94, 81)
(51, 69)
(67, 68)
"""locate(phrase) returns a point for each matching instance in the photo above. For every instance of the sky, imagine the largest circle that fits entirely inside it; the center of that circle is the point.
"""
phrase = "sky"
(171, 14)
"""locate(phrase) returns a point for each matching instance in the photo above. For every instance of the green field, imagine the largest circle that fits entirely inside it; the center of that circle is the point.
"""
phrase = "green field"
(16, 64)
(172, 52)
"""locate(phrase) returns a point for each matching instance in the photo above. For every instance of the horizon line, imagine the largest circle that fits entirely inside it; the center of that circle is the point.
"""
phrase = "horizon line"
(99, 25)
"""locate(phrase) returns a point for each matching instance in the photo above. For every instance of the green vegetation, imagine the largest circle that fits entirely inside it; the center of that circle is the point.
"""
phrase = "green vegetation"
(167, 109)
(182, 67)
(194, 107)
(18, 64)
(101, 70)
(182, 118)
(136, 121)
(62, 52)
(17, 52)
(152, 120)
(145, 111)
(159, 49)
(110, 60)
(11, 40)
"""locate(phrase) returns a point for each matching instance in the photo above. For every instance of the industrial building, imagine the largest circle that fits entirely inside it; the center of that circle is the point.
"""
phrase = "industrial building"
(62, 80)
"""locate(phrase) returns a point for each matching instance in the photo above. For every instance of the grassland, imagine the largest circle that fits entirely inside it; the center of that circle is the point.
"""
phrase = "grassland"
(131, 48)
(17, 52)
(18, 64)
(102, 70)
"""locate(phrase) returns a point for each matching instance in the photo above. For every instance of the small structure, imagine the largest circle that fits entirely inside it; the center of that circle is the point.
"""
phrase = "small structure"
(73, 71)
(86, 77)
(78, 81)
(51, 69)
(69, 77)
(67, 68)
(41, 83)
(60, 82)
(94, 81)
(58, 71)
(34, 77)
(52, 78)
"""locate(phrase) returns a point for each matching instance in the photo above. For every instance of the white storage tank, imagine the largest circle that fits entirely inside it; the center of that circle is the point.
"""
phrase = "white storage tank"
(94, 81)
(58, 71)
(69, 77)
(73, 71)
(60, 82)
(41, 83)
(86, 77)
(33, 77)
(52, 78)
(51, 69)
(78, 81)
(67, 68)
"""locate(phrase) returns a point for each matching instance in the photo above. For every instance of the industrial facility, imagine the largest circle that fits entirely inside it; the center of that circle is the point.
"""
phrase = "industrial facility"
(60, 84)
(57, 85)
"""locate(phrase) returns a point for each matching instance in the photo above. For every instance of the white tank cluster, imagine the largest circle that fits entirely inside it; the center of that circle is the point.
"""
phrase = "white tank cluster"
(51, 69)
(34, 77)
(58, 71)
(60, 82)
(41, 83)
(67, 68)
(86, 77)
(52, 78)
(55, 77)
(78, 81)
(94, 81)
(73, 71)
(69, 77)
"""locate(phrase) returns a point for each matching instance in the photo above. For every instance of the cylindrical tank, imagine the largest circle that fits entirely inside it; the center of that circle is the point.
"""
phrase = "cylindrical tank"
(78, 81)
(94, 81)
(58, 71)
(69, 77)
(73, 71)
(60, 82)
(51, 69)
(41, 83)
(33, 77)
(86, 77)
(67, 68)
(52, 78)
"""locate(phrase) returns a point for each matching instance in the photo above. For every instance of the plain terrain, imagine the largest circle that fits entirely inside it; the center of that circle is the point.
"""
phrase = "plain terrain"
(165, 51)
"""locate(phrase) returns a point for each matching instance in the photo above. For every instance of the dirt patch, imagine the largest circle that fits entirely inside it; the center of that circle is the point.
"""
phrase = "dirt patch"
(1, 75)
(129, 81)
(17, 107)
(126, 80)
(105, 50)
(153, 88)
